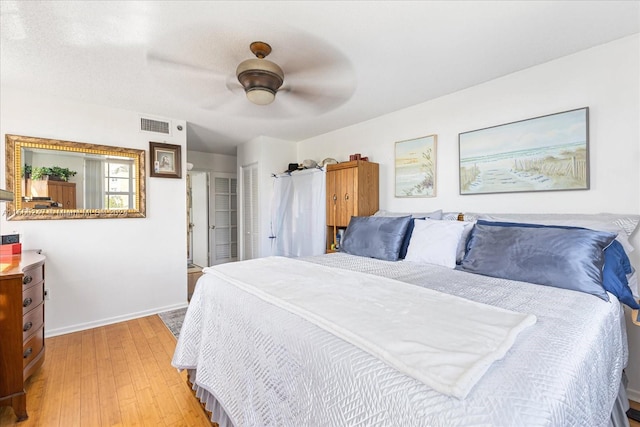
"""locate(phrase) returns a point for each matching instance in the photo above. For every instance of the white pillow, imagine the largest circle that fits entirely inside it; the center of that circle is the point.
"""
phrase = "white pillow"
(433, 215)
(435, 242)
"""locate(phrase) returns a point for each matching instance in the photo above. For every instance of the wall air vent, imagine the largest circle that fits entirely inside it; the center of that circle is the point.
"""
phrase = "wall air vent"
(157, 126)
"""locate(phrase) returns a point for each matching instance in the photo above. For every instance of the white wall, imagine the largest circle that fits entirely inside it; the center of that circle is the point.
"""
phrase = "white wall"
(604, 78)
(272, 156)
(212, 162)
(102, 271)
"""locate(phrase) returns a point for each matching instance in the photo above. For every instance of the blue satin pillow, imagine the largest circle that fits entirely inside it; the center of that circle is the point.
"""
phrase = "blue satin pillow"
(568, 258)
(375, 236)
(616, 264)
(407, 238)
(614, 275)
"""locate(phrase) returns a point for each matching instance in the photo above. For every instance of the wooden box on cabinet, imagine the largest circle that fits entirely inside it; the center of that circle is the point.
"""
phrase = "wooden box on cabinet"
(352, 190)
(62, 192)
(21, 326)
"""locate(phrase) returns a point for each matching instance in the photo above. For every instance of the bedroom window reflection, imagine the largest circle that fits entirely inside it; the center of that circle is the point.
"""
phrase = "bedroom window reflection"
(119, 188)
(109, 183)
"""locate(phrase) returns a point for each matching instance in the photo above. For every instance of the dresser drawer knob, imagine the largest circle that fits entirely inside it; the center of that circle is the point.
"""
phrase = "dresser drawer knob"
(27, 302)
(27, 353)
(26, 280)
(27, 326)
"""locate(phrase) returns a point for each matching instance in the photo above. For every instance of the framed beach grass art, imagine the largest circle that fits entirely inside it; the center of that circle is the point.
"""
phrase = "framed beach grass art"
(416, 167)
(547, 153)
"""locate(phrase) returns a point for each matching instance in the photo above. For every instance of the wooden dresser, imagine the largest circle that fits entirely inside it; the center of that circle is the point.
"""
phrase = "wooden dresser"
(21, 325)
(352, 190)
(59, 191)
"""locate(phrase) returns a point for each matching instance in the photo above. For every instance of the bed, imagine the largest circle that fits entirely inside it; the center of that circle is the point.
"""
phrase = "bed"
(255, 361)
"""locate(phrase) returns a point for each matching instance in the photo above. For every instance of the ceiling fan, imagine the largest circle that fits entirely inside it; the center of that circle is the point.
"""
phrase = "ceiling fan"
(260, 77)
(318, 78)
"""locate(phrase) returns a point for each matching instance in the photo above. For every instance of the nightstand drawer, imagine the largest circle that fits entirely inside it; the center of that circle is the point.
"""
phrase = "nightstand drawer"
(33, 276)
(32, 321)
(31, 298)
(32, 347)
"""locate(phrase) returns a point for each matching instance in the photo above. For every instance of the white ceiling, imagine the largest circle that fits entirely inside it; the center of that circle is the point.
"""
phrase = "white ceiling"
(352, 61)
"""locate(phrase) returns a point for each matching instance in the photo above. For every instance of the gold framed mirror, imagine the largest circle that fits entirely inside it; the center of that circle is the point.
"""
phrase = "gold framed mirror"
(55, 179)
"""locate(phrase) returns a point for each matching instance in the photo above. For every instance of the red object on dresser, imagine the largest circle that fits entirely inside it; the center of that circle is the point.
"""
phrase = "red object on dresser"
(11, 249)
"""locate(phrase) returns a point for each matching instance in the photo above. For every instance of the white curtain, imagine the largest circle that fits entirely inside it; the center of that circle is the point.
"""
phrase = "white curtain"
(298, 214)
(93, 184)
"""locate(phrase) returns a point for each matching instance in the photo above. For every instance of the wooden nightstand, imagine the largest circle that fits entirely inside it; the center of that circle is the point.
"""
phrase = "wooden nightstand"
(21, 326)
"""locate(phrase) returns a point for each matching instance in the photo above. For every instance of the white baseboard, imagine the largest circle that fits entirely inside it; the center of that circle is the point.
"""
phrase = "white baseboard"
(103, 322)
(633, 395)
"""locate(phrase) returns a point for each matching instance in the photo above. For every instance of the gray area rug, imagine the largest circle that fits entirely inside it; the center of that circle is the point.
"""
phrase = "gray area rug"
(173, 320)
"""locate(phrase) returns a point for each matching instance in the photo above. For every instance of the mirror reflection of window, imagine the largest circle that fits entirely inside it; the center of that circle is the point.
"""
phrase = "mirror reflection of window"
(109, 183)
(119, 184)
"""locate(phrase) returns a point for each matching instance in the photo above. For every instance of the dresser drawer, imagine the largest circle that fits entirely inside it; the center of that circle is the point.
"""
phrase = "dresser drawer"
(32, 347)
(33, 276)
(32, 321)
(31, 298)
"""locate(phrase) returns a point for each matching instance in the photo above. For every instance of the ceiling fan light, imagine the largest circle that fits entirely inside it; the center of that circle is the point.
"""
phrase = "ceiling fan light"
(260, 96)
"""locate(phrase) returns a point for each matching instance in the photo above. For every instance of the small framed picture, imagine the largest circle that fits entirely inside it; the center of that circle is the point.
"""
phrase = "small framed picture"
(165, 160)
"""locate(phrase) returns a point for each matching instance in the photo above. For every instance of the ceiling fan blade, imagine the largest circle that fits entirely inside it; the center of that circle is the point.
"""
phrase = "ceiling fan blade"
(316, 98)
(192, 83)
(314, 70)
(234, 85)
(159, 60)
(222, 101)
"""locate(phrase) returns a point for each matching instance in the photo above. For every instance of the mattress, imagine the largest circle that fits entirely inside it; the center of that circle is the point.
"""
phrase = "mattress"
(266, 366)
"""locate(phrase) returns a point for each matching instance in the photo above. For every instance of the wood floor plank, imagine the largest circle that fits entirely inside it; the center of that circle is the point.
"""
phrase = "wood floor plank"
(70, 400)
(90, 392)
(135, 364)
(109, 408)
(54, 371)
(144, 325)
(122, 376)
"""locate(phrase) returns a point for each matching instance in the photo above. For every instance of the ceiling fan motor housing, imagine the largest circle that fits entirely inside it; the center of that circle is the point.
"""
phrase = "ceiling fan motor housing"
(260, 78)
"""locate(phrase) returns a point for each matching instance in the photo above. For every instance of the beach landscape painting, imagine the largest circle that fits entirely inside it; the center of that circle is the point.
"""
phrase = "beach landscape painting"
(416, 167)
(540, 154)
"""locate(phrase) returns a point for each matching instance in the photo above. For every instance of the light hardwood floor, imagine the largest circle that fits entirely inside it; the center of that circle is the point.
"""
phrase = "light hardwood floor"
(116, 375)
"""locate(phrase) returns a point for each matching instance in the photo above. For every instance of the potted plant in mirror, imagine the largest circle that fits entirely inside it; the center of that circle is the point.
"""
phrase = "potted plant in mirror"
(62, 174)
(40, 173)
(54, 173)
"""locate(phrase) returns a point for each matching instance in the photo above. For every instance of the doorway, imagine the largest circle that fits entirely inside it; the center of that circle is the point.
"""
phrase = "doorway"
(212, 231)
(198, 227)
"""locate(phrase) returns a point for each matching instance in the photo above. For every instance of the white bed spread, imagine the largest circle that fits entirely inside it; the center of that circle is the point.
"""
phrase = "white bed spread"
(267, 366)
(443, 340)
